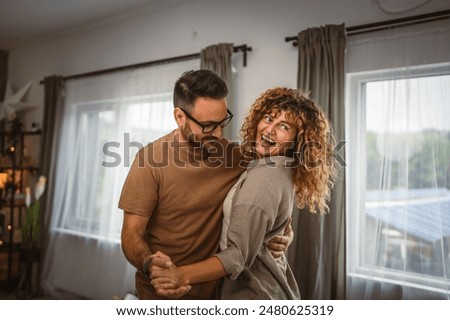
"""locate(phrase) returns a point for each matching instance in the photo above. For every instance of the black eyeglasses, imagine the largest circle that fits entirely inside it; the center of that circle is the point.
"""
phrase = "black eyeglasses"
(211, 125)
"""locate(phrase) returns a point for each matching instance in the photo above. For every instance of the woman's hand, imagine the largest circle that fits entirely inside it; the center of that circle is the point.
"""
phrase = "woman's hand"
(167, 278)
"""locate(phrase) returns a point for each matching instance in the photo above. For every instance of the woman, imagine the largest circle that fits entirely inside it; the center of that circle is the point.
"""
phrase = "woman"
(287, 145)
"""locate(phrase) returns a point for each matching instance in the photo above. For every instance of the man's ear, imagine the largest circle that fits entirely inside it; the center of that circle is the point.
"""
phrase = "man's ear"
(179, 116)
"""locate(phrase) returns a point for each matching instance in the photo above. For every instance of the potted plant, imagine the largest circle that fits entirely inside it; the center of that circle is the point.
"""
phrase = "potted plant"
(30, 235)
(31, 227)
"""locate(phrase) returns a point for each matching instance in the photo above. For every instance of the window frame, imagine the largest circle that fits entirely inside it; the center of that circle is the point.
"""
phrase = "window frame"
(82, 110)
(356, 178)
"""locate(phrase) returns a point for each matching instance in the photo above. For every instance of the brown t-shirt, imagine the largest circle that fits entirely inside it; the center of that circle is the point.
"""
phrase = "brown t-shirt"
(182, 193)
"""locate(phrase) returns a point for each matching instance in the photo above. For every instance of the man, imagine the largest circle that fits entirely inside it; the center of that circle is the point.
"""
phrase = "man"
(173, 194)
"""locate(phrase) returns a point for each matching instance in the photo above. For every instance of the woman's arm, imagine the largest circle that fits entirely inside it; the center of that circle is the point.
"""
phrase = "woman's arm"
(166, 275)
(245, 238)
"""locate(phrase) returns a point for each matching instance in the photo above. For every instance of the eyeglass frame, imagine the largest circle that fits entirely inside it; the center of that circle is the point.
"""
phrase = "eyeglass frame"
(211, 123)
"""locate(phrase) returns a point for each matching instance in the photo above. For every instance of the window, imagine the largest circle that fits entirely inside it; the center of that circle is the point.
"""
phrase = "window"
(399, 177)
(109, 135)
(106, 120)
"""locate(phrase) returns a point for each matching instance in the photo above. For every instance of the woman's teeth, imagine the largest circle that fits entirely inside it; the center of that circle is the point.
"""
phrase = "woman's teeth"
(267, 140)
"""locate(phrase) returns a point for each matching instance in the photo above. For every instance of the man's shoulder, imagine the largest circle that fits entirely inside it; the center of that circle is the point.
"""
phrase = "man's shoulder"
(233, 154)
(156, 151)
(167, 138)
(158, 143)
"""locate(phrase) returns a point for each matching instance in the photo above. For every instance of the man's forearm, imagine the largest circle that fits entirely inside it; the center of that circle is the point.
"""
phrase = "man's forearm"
(134, 246)
(135, 249)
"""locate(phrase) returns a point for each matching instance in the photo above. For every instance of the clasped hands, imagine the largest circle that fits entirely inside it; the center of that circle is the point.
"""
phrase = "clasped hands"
(167, 279)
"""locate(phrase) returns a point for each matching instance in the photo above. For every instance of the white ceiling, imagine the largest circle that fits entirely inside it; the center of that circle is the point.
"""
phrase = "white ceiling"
(22, 21)
(25, 22)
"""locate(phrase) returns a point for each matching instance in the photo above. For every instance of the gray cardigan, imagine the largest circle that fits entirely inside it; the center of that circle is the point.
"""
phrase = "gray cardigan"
(261, 207)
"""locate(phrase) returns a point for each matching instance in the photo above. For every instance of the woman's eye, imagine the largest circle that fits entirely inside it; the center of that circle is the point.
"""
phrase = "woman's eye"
(284, 127)
(267, 118)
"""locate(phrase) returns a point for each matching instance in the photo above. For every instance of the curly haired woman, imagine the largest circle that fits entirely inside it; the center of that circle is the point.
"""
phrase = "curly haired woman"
(287, 145)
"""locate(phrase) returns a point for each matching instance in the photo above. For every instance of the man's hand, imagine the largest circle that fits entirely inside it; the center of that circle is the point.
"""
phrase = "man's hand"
(167, 278)
(278, 245)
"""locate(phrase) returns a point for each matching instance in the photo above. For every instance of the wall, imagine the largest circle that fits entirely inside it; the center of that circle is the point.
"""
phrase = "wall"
(178, 27)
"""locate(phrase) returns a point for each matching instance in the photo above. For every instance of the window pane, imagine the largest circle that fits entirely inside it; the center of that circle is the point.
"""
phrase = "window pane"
(109, 135)
(407, 202)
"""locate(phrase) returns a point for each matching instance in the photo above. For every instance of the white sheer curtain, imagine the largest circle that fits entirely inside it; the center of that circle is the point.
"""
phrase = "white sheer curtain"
(398, 196)
(106, 120)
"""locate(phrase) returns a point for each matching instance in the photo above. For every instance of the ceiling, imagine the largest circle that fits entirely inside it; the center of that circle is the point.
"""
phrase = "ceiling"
(22, 21)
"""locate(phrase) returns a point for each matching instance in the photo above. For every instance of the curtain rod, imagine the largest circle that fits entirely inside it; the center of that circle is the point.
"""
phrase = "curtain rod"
(388, 24)
(243, 48)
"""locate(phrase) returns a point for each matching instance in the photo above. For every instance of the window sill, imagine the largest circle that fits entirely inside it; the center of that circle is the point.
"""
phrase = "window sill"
(86, 235)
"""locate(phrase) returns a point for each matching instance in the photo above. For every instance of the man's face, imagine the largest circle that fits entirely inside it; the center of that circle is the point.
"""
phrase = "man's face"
(205, 111)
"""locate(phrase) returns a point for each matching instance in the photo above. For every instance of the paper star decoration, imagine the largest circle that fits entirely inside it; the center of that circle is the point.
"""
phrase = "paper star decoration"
(12, 102)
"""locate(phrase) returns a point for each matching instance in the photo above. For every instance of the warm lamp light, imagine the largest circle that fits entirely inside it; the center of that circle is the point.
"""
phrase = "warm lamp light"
(3, 179)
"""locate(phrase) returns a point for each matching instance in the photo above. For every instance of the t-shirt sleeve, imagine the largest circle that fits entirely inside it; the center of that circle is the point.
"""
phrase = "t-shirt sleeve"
(140, 189)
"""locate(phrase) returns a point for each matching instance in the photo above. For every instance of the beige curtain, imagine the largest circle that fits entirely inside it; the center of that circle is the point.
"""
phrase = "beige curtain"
(3, 72)
(51, 130)
(317, 255)
(217, 58)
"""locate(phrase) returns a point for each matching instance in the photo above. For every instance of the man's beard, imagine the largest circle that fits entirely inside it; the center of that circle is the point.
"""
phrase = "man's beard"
(207, 145)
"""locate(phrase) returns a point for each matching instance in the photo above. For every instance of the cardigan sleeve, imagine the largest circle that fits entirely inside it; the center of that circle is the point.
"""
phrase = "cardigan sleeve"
(246, 233)
(253, 217)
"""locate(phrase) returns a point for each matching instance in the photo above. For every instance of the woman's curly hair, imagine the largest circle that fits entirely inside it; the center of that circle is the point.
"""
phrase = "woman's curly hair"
(314, 169)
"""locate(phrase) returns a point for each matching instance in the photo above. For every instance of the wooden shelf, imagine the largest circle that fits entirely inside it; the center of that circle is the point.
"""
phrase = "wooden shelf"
(18, 133)
(27, 168)
(12, 252)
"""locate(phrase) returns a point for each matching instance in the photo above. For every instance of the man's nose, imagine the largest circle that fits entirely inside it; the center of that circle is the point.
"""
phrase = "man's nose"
(218, 132)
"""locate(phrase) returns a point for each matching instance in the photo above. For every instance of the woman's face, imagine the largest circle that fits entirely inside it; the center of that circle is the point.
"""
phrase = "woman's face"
(274, 135)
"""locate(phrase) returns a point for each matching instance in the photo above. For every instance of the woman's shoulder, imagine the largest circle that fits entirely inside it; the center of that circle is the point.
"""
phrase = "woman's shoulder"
(267, 180)
(268, 192)
(275, 167)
